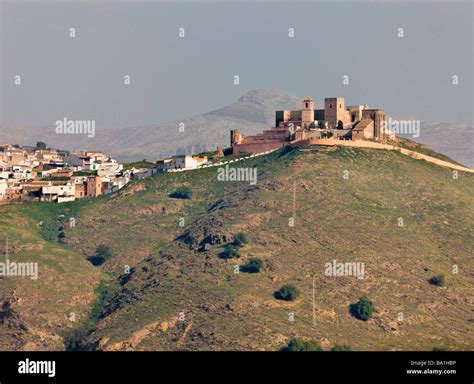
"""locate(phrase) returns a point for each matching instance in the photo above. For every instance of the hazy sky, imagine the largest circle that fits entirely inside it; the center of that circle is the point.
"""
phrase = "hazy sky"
(173, 77)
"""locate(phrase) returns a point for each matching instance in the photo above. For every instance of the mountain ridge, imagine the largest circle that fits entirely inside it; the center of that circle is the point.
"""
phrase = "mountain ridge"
(253, 112)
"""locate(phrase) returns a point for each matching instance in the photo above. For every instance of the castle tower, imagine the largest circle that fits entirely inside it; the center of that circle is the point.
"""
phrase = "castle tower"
(307, 112)
(334, 110)
(219, 153)
(235, 136)
(379, 124)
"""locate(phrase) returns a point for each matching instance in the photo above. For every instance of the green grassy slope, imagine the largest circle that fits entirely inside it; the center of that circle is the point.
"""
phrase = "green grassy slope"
(180, 296)
(38, 314)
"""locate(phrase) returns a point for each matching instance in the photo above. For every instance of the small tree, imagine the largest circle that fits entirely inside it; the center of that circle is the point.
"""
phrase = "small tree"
(252, 266)
(340, 348)
(287, 292)
(321, 124)
(327, 135)
(437, 280)
(312, 125)
(61, 236)
(181, 193)
(40, 145)
(340, 124)
(230, 252)
(102, 254)
(299, 345)
(362, 310)
(240, 239)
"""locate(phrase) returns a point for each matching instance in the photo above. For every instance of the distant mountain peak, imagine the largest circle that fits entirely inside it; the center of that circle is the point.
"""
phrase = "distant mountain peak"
(258, 106)
(262, 96)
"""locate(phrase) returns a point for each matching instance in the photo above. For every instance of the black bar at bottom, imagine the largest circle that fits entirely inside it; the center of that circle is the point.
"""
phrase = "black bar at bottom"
(323, 367)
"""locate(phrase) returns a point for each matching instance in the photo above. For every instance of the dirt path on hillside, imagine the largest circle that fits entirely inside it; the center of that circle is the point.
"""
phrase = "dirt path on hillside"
(407, 152)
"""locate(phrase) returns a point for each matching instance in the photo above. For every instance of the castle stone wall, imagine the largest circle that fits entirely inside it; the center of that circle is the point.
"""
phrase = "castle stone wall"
(256, 147)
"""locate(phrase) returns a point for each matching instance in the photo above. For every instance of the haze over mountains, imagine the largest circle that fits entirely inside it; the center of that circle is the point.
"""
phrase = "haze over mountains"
(252, 112)
(453, 140)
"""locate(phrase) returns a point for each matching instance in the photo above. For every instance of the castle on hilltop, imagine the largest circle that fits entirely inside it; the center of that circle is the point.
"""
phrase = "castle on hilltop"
(335, 121)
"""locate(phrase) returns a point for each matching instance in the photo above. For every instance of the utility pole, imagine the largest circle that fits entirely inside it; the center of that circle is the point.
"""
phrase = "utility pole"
(314, 303)
(294, 200)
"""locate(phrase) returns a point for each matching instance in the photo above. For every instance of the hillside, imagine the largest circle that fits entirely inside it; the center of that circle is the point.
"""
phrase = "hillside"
(176, 271)
(38, 314)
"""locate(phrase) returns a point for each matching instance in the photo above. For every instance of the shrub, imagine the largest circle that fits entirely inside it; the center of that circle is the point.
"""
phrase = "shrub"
(62, 237)
(437, 280)
(230, 252)
(287, 292)
(181, 193)
(40, 145)
(362, 310)
(299, 345)
(102, 254)
(252, 266)
(240, 239)
(341, 348)
(327, 135)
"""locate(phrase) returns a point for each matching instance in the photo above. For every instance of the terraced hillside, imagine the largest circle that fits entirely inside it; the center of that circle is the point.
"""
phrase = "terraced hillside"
(166, 286)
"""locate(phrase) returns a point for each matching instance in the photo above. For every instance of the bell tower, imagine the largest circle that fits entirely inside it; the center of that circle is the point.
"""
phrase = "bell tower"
(307, 112)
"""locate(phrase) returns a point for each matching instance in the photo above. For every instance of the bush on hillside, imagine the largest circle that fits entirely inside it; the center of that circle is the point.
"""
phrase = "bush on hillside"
(102, 254)
(240, 239)
(362, 310)
(230, 252)
(437, 280)
(299, 345)
(340, 348)
(252, 266)
(181, 193)
(62, 236)
(287, 292)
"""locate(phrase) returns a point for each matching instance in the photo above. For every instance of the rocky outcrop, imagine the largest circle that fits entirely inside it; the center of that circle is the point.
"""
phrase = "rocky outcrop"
(133, 342)
(9, 318)
(134, 285)
(206, 231)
